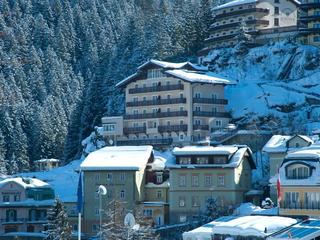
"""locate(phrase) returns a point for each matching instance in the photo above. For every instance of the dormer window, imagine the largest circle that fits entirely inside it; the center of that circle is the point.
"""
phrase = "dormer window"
(185, 160)
(298, 171)
(155, 73)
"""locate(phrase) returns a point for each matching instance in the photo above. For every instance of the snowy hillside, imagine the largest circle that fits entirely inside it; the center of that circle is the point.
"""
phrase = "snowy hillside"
(277, 85)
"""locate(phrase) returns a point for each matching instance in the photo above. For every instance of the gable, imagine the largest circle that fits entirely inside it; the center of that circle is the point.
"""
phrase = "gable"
(297, 142)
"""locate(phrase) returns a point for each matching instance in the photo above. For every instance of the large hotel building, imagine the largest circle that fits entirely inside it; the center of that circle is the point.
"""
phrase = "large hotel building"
(168, 103)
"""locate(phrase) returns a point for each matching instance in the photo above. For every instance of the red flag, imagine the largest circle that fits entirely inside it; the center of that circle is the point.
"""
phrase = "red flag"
(279, 187)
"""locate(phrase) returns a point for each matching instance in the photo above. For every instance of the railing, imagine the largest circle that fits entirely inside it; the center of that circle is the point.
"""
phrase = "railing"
(300, 205)
(211, 114)
(21, 220)
(173, 128)
(279, 30)
(310, 17)
(210, 101)
(160, 141)
(132, 130)
(156, 115)
(243, 11)
(310, 5)
(157, 88)
(236, 24)
(156, 102)
(317, 30)
(201, 127)
(223, 37)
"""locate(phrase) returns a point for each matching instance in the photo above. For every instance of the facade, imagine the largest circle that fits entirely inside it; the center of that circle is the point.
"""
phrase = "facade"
(262, 20)
(277, 148)
(168, 103)
(310, 22)
(24, 203)
(200, 173)
(122, 171)
(300, 189)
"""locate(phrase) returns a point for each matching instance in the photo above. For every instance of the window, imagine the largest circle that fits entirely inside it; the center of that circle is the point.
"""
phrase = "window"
(154, 110)
(159, 178)
(155, 73)
(312, 200)
(218, 123)
(33, 215)
(135, 99)
(97, 177)
(168, 123)
(297, 171)
(16, 197)
(198, 108)
(135, 111)
(144, 111)
(208, 180)
(135, 124)
(109, 177)
(136, 85)
(195, 180)
(276, 10)
(109, 127)
(181, 122)
(276, 22)
(122, 177)
(182, 218)
(197, 122)
(195, 201)
(197, 95)
(159, 194)
(202, 160)
(122, 194)
(276, 1)
(168, 109)
(182, 180)
(96, 211)
(181, 137)
(154, 125)
(181, 95)
(94, 228)
(214, 110)
(168, 96)
(6, 198)
(292, 199)
(220, 159)
(184, 160)
(75, 227)
(182, 201)
(221, 180)
(11, 215)
(181, 109)
(147, 212)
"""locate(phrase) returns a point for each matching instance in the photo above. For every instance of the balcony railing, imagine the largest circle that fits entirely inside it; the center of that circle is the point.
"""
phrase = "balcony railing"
(211, 114)
(201, 127)
(158, 88)
(310, 17)
(300, 205)
(309, 30)
(173, 128)
(133, 130)
(221, 38)
(239, 12)
(160, 141)
(310, 5)
(236, 24)
(156, 102)
(156, 115)
(210, 101)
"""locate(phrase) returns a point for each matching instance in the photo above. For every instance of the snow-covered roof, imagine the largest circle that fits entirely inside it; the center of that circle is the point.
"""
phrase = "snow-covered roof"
(204, 150)
(304, 154)
(162, 160)
(234, 3)
(196, 77)
(278, 143)
(25, 182)
(118, 158)
(47, 160)
(164, 64)
(259, 226)
(246, 209)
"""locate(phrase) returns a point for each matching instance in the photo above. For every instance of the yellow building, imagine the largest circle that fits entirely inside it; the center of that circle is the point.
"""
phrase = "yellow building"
(277, 148)
(310, 22)
(203, 172)
(168, 103)
(122, 171)
(300, 188)
(261, 20)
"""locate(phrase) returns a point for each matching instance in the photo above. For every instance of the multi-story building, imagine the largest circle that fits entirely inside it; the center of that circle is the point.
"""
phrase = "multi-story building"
(122, 171)
(222, 174)
(24, 203)
(168, 103)
(300, 185)
(310, 22)
(277, 148)
(262, 20)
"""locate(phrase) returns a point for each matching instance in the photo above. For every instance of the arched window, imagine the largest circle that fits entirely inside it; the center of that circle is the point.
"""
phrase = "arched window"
(298, 171)
(11, 215)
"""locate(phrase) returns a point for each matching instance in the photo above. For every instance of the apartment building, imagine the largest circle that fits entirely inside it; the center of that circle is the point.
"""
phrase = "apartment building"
(277, 148)
(300, 189)
(24, 203)
(122, 171)
(222, 174)
(168, 103)
(261, 20)
(310, 22)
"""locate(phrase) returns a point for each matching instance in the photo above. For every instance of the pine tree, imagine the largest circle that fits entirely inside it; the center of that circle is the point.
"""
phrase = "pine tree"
(58, 225)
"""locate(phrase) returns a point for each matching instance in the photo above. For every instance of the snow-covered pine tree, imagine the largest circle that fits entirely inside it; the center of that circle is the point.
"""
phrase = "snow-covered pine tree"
(58, 225)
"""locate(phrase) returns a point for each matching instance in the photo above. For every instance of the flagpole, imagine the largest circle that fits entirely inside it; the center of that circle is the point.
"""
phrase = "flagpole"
(79, 226)
(79, 204)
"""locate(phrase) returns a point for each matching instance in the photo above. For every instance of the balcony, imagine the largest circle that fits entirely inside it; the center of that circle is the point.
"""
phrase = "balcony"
(158, 88)
(310, 18)
(264, 11)
(134, 130)
(156, 115)
(156, 102)
(210, 101)
(237, 24)
(309, 30)
(201, 127)
(300, 205)
(221, 38)
(13, 220)
(211, 114)
(154, 142)
(173, 128)
(310, 5)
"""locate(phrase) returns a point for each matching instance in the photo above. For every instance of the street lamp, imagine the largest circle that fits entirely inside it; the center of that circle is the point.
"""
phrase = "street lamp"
(101, 191)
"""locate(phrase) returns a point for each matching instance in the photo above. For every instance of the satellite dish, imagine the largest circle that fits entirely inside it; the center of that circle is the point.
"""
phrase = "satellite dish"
(111, 142)
(129, 220)
(102, 190)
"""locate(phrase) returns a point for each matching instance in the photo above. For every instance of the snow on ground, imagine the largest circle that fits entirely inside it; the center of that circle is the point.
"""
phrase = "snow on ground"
(246, 209)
